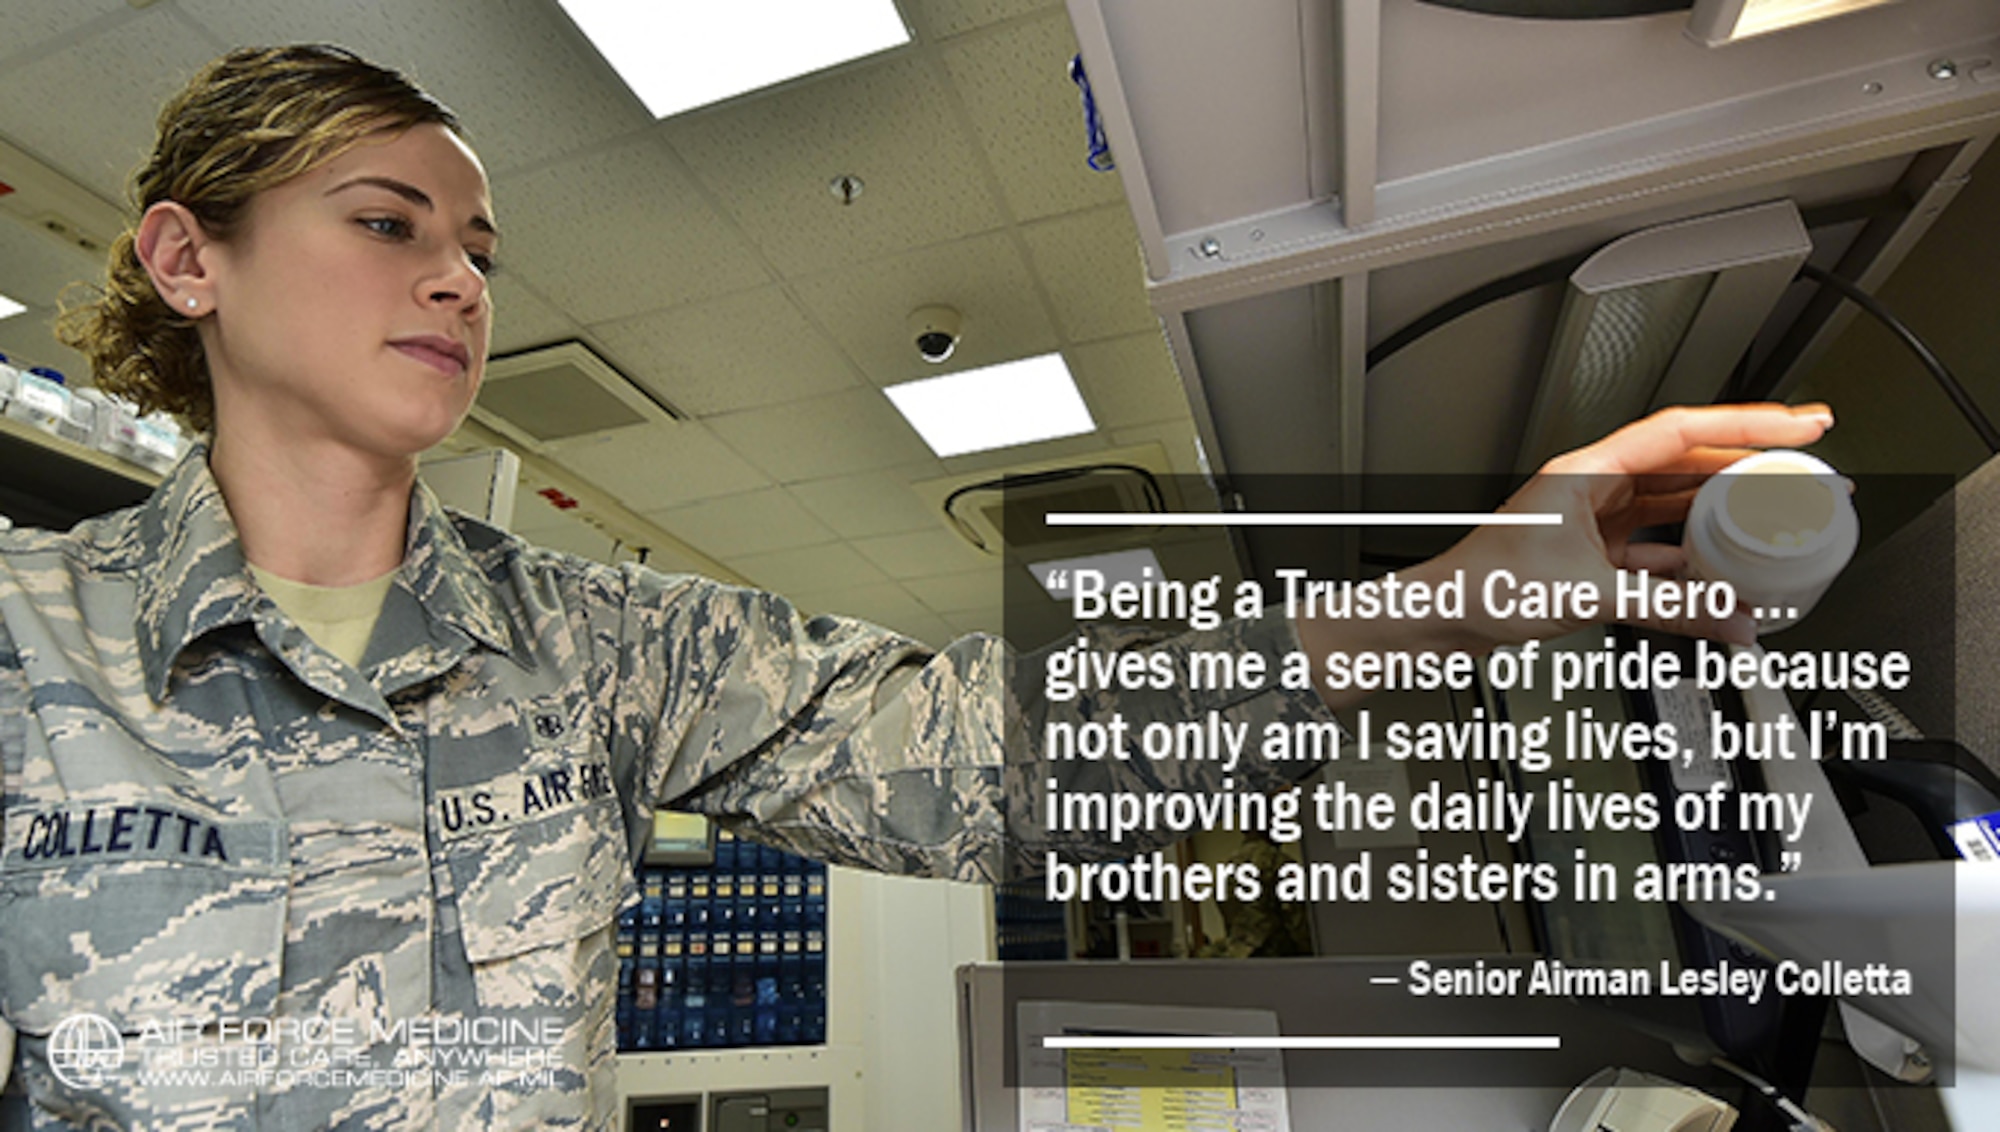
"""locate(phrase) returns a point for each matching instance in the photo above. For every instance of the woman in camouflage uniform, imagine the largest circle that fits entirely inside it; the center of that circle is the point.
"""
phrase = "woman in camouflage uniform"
(288, 744)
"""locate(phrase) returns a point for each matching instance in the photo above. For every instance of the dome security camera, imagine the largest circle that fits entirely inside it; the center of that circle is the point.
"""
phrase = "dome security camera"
(935, 330)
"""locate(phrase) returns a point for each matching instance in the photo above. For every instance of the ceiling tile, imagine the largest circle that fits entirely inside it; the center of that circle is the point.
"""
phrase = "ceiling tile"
(1129, 381)
(522, 319)
(655, 466)
(524, 82)
(923, 554)
(887, 605)
(831, 565)
(540, 524)
(738, 352)
(751, 523)
(822, 437)
(991, 621)
(1090, 264)
(771, 158)
(1177, 437)
(25, 28)
(619, 231)
(111, 86)
(1076, 448)
(667, 562)
(984, 278)
(960, 593)
(536, 522)
(936, 19)
(1029, 116)
(932, 631)
(35, 266)
(872, 503)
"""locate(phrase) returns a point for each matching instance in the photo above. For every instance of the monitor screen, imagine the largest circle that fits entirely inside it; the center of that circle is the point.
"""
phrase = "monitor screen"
(681, 839)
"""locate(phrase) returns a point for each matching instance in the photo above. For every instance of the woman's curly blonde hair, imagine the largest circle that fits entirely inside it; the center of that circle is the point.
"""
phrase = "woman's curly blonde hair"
(252, 119)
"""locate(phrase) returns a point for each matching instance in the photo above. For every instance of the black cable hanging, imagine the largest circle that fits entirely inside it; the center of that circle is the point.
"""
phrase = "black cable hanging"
(1540, 275)
(1952, 389)
(1557, 270)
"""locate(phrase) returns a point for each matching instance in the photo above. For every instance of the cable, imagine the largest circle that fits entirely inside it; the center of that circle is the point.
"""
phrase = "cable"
(1540, 275)
(1802, 1121)
(1878, 708)
(1952, 389)
(1093, 123)
(1556, 270)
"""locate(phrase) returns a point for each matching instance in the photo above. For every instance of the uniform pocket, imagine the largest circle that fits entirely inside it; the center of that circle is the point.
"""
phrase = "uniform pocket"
(118, 975)
(140, 942)
(540, 883)
(538, 904)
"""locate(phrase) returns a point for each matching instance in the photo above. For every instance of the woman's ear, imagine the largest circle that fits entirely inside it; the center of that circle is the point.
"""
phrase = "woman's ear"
(172, 246)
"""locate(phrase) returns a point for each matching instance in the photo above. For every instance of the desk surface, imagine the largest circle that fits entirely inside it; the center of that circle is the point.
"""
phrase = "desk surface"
(1484, 1090)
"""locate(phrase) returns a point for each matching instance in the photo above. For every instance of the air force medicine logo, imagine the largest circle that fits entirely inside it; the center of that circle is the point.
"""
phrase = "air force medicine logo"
(83, 1048)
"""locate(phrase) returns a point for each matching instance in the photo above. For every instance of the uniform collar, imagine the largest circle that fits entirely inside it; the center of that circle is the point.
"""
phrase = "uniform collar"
(193, 578)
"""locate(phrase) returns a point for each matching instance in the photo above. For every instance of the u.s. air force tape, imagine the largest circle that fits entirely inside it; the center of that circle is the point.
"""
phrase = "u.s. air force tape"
(522, 796)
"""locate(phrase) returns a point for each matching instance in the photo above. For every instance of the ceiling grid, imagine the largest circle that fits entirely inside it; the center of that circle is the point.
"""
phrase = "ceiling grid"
(705, 258)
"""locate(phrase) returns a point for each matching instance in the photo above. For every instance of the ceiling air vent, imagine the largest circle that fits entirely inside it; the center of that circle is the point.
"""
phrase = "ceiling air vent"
(1005, 509)
(1018, 508)
(563, 391)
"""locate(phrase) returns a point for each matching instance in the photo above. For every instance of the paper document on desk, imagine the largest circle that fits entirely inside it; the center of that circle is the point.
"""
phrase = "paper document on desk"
(1151, 1090)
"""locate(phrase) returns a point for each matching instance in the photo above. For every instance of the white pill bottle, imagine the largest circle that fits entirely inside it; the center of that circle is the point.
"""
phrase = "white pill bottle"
(1779, 527)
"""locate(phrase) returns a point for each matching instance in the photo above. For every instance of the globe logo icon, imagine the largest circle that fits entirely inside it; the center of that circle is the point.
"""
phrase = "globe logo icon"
(83, 1048)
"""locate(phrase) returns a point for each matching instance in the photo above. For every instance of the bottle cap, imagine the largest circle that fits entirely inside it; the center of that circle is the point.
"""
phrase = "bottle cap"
(1780, 503)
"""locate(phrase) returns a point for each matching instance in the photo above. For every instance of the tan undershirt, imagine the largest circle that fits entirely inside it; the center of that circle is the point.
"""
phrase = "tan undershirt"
(339, 619)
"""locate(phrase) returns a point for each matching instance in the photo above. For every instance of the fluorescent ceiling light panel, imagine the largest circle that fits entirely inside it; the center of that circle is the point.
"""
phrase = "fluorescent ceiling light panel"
(995, 407)
(1716, 22)
(9, 308)
(680, 54)
(1056, 575)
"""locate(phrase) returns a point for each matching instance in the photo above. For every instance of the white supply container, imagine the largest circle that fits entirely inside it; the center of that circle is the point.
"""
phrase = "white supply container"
(40, 401)
(1779, 527)
(152, 442)
(79, 416)
(10, 378)
(99, 403)
(158, 443)
(117, 428)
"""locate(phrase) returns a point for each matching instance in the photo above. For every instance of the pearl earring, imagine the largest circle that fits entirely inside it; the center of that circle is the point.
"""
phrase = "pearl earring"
(191, 302)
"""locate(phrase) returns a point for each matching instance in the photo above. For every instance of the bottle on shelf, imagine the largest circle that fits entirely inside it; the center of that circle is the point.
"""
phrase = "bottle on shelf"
(10, 379)
(42, 400)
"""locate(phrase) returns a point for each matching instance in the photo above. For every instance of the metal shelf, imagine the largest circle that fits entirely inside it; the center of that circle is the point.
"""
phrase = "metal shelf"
(1305, 177)
(52, 482)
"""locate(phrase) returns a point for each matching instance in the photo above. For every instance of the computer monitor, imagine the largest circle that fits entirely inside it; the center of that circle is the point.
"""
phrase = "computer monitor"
(681, 839)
